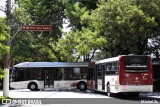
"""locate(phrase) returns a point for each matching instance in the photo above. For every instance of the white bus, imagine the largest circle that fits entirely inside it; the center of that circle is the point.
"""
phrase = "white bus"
(54, 75)
(129, 74)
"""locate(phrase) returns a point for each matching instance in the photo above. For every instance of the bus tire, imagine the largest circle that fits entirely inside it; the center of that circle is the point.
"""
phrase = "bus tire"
(109, 91)
(33, 86)
(82, 86)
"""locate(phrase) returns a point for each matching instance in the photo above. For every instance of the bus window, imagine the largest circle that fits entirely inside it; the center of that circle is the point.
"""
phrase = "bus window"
(35, 73)
(99, 72)
(107, 69)
(58, 74)
(114, 68)
(19, 75)
(68, 73)
(109, 65)
(84, 73)
(136, 63)
(77, 73)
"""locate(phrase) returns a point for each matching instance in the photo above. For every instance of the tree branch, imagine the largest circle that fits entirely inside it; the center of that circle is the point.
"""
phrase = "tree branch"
(55, 53)
(92, 55)
(2, 9)
(77, 58)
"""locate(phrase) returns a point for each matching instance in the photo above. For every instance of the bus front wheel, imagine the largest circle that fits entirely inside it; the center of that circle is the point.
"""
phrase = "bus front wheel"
(33, 86)
(82, 86)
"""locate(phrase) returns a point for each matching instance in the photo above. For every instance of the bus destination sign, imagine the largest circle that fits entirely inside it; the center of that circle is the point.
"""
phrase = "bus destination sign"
(36, 28)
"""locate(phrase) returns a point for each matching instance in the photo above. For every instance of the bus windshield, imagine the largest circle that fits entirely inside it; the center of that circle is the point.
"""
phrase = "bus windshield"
(136, 64)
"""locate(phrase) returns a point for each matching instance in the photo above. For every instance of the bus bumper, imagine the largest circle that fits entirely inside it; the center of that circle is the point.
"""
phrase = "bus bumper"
(136, 88)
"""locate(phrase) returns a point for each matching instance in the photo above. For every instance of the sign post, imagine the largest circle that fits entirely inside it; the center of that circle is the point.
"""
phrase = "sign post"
(36, 28)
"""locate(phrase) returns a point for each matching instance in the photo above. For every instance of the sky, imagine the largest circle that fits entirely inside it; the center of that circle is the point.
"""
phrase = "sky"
(2, 6)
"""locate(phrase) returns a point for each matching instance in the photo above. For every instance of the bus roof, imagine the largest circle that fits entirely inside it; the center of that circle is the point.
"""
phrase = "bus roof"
(115, 58)
(107, 60)
(51, 64)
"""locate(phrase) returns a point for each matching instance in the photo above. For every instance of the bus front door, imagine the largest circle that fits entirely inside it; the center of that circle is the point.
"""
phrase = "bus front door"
(49, 79)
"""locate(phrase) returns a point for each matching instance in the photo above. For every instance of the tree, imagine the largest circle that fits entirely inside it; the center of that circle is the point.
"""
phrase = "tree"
(81, 39)
(3, 47)
(113, 26)
(38, 46)
(82, 43)
(125, 26)
(75, 9)
(152, 8)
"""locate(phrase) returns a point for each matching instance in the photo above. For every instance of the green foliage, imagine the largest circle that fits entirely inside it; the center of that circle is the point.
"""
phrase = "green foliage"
(85, 40)
(2, 72)
(74, 12)
(3, 38)
(32, 45)
(124, 25)
(113, 26)
(152, 8)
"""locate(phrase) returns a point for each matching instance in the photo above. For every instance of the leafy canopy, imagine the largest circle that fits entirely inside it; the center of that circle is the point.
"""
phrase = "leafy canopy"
(125, 25)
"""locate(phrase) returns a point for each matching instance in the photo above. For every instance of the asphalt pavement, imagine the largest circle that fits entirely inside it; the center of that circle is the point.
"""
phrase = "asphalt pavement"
(25, 98)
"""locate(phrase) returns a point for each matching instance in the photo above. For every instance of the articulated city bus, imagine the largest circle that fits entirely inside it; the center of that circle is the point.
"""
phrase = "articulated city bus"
(129, 74)
(54, 75)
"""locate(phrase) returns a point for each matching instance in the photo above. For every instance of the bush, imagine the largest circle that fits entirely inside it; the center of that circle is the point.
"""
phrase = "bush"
(2, 72)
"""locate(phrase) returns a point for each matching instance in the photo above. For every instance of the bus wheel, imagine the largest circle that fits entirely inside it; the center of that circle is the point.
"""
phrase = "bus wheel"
(33, 86)
(109, 91)
(82, 86)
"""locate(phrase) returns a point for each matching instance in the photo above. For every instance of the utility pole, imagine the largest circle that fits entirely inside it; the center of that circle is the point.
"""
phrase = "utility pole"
(7, 61)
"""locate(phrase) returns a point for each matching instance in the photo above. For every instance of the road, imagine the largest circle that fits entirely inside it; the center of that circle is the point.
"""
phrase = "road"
(47, 98)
